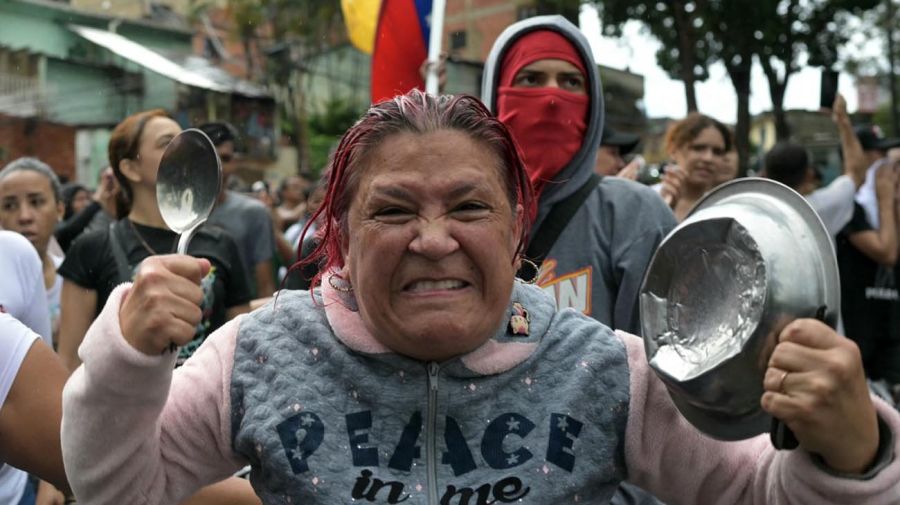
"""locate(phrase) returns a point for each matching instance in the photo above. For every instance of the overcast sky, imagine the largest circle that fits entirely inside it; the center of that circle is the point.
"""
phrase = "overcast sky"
(664, 97)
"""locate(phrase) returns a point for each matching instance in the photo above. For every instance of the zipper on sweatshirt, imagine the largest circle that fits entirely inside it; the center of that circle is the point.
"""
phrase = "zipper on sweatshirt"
(430, 430)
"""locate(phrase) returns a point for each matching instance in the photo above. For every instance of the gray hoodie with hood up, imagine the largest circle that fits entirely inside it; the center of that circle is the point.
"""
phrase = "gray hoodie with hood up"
(598, 262)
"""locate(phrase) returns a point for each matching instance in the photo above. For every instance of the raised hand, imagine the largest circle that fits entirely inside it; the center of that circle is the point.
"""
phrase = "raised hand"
(839, 108)
(672, 181)
(815, 383)
(163, 305)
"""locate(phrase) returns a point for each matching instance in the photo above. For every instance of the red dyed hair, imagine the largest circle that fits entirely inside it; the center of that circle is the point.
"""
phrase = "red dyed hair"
(420, 113)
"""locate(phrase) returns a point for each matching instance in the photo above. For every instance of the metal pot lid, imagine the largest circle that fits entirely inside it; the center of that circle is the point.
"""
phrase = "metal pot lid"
(819, 237)
(717, 292)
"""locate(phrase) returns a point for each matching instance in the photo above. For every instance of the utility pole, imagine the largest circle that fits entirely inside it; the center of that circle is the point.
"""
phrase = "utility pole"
(892, 78)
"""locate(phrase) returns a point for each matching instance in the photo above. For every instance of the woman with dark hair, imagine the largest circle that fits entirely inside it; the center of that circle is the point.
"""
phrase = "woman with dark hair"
(698, 145)
(98, 261)
(31, 204)
(95, 213)
(75, 198)
(421, 372)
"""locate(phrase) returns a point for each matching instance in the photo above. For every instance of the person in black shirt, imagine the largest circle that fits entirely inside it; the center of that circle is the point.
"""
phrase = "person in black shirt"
(867, 257)
(100, 260)
(97, 213)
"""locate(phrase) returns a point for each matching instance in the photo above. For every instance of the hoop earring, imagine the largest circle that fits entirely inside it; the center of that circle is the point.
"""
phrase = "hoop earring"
(534, 266)
(348, 288)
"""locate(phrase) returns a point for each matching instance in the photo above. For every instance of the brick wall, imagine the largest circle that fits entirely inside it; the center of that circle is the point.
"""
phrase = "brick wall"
(482, 20)
(52, 143)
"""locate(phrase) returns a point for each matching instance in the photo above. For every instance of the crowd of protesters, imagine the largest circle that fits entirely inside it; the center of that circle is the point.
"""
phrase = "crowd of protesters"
(66, 248)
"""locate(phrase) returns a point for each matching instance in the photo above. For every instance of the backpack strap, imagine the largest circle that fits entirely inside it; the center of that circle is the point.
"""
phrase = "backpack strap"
(556, 221)
(119, 252)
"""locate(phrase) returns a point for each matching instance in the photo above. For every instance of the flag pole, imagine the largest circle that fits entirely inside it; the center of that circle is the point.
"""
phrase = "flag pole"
(434, 45)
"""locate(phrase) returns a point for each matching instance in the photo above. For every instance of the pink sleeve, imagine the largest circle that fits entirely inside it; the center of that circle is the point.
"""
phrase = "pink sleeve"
(669, 457)
(125, 438)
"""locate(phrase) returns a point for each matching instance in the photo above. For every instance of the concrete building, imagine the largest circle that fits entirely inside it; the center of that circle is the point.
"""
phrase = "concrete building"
(60, 66)
(811, 129)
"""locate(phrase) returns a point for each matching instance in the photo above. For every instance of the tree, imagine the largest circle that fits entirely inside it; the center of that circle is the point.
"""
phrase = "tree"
(732, 40)
(300, 30)
(791, 28)
(684, 47)
(288, 32)
(567, 8)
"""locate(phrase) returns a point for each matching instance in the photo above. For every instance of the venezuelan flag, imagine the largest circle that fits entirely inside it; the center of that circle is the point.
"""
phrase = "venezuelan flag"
(400, 47)
(361, 18)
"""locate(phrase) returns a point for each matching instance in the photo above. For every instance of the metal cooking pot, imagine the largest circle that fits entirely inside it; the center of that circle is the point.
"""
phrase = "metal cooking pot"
(750, 257)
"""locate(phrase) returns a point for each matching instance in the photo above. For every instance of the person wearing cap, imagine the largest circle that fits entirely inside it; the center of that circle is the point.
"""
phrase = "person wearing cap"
(789, 164)
(613, 147)
(875, 146)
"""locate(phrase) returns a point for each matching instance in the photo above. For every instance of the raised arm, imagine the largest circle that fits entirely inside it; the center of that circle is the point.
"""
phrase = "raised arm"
(78, 307)
(881, 245)
(31, 413)
(132, 431)
(855, 162)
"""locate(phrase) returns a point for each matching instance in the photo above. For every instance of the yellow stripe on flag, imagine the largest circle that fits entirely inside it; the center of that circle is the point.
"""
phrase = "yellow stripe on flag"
(361, 17)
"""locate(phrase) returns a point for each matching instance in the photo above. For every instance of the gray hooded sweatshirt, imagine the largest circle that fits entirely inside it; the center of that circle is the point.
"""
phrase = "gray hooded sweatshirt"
(598, 262)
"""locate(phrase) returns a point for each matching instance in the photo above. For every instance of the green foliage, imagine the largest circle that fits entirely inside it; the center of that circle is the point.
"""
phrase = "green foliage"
(338, 116)
(320, 147)
(248, 16)
(326, 129)
(679, 27)
(883, 119)
(777, 32)
(566, 8)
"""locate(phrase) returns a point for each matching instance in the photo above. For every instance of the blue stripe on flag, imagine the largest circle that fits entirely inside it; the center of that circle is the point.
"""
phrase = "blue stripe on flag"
(423, 9)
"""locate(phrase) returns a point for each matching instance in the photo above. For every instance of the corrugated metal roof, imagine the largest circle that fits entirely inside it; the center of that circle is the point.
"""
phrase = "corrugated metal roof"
(193, 71)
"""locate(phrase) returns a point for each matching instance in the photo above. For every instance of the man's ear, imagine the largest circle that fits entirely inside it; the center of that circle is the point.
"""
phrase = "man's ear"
(130, 170)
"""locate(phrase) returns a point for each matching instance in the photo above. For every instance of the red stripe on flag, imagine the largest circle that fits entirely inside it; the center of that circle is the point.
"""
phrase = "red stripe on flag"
(399, 50)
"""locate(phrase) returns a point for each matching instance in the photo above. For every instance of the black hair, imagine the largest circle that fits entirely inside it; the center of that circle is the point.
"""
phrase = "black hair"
(787, 163)
(34, 165)
(219, 132)
(69, 190)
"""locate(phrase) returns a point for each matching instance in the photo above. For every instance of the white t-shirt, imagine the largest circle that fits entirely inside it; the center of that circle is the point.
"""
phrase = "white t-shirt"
(22, 292)
(834, 203)
(15, 341)
(866, 196)
(23, 299)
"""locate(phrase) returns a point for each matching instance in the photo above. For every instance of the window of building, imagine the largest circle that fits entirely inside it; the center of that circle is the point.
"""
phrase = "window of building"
(458, 40)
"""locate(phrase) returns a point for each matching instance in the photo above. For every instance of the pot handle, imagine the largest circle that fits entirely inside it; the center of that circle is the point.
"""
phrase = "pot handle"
(782, 437)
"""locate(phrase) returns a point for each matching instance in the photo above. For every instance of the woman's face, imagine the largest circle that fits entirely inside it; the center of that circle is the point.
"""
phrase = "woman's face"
(27, 206)
(431, 238)
(80, 200)
(728, 168)
(702, 157)
(157, 134)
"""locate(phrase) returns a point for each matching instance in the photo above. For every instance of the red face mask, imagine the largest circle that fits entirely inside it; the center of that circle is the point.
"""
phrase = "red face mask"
(547, 123)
